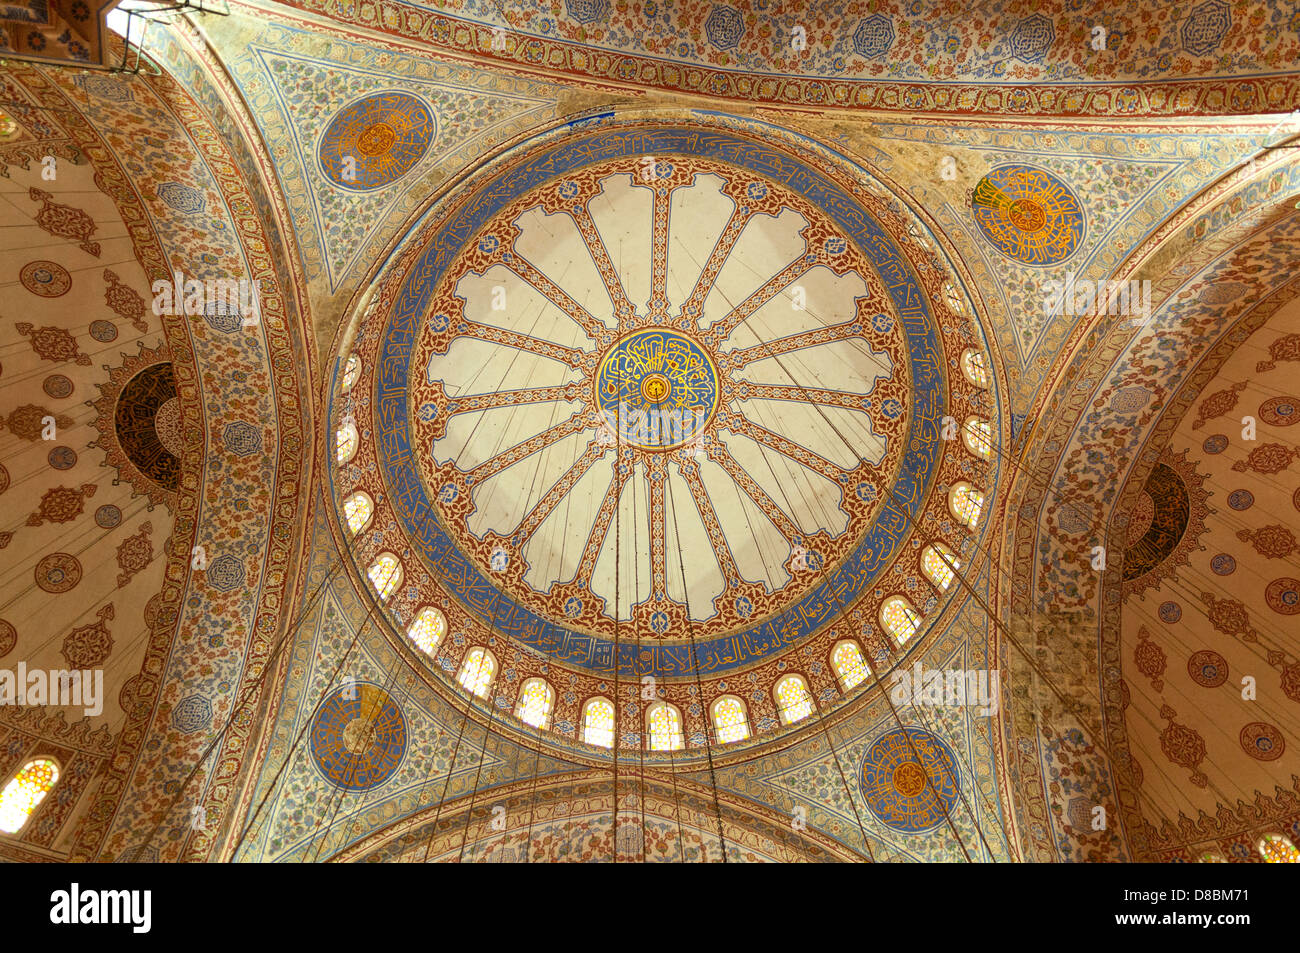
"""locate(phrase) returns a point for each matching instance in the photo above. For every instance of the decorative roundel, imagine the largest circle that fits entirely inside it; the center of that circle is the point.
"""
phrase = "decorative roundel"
(660, 376)
(1241, 499)
(905, 793)
(103, 331)
(62, 458)
(1280, 411)
(57, 386)
(136, 420)
(1170, 612)
(1216, 444)
(1223, 564)
(375, 141)
(8, 638)
(1029, 214)
(108, 516)
(358, 742)
(1262, 741)
(1283, 595)
(58, 572)
(48, 279)
(1207, 669)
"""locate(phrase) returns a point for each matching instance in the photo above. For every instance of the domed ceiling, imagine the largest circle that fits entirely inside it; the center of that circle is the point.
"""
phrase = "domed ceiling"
(658, 399)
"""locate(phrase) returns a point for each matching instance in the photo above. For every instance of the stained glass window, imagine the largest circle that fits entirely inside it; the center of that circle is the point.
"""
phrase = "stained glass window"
(427, 629)
(535, 702)
(24, 793)
(966, 503)
(351, 371)
(385, 574)
(793, 702)
(953, 297)
(978, 436)
(899, 618)
(476, 672)
(665, 723)
(1276, 849)
(347, 442)
(598, 722)
(729, 719)
(358, 509)
(1212, 857)
(850, 667)
(973, 366)
(940, 564)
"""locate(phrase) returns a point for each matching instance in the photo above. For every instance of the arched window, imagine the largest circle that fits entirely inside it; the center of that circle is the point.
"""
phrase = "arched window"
(536, 699)
(427, 630)
(729, 719)
(966, 503)
(899, 618)
(24, 793)
(1276, 849)
(665, 723)
(978, 437)
(351, 371)
(940, 565)
(598, 722)
(357, 509)
(1212, 857)
(385, 574)
(346, 441)
(793, 702)
(953, 298)
(477, 672)
(974, 368)
(850, 667)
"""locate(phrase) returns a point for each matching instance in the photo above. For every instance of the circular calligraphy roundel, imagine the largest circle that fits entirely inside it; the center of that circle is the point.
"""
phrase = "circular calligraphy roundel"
(358, 737)
(905, 793)
(658, 388)
(1029, 214)
(375, 141)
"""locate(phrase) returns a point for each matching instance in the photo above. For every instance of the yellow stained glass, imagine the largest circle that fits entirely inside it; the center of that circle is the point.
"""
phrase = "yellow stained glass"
(598, 722)
(427, 629)
(476, 672)
(966, 503)
(357, 509)
(729, 719)
(978, 436)
(665, 727)
(973, 366)
(347, 442)
(941, 569)
(535, 701)
(351, 371)
(24, 793)
(792, 699)
(899, 618)
(385, 574)
(850, 667)
(1276, 849)
(1212, 857)
(954, 299)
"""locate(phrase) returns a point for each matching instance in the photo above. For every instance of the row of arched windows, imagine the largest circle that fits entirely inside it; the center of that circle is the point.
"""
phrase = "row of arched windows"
(729, 714)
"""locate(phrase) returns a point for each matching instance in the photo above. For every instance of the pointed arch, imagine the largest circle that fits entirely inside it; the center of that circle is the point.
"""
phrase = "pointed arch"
(848, 664)
(598, 722)
(385, 575)
(664, 724)
(899, 618)
(477, 671)
(536, 701)
(427, 629)
(358, 510)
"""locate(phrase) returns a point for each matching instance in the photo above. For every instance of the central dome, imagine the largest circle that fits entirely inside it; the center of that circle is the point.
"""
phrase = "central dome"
(661, 398)
(645, 358)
